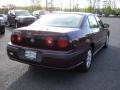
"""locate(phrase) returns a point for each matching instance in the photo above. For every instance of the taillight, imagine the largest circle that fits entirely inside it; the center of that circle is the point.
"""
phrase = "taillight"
(49, 41)
(16, 38)
(13, 38)
(63, 42)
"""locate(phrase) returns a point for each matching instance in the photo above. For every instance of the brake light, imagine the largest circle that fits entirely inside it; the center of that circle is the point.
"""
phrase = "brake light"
(16, 38)
(13, 38)
(63, 42)
(49, 41)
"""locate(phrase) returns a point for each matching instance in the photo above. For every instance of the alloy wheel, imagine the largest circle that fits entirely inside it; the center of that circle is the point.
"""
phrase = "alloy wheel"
(89, 59)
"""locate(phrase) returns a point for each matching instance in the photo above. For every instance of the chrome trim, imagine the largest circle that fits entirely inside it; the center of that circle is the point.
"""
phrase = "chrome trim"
(98, 50)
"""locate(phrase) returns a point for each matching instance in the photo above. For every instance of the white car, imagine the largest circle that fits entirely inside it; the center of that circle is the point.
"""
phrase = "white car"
(4, 17)
(38, 13)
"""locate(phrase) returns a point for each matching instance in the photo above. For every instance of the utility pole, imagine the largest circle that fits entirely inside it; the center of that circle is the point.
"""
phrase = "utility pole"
(51, 6)
(32, 3)
(70, 5)
(97, 6)
(46, 4)
(61, 4)
(104, 4)
(90, 6)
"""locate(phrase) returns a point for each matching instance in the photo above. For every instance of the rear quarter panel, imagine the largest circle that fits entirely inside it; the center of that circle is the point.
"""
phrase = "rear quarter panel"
(82, 37)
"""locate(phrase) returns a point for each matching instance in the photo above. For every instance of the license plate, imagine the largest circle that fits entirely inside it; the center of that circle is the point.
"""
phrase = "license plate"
(30, 54)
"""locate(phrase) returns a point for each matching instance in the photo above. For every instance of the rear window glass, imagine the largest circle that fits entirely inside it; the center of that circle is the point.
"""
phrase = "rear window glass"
(60, 20)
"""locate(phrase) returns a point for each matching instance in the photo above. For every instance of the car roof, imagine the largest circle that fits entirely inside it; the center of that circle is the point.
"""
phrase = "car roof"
(79, 13)
(19, 10)
(39, 10)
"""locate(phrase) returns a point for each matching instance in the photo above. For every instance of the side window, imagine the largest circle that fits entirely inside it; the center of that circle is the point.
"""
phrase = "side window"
(35, 12)
(99, 22)
(92, 22)
(9, 12)
(13, 12)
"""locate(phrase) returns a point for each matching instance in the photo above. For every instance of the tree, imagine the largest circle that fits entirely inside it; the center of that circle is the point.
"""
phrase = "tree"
(90, 9)
(107, 10)
(117, 11)
(4, 9)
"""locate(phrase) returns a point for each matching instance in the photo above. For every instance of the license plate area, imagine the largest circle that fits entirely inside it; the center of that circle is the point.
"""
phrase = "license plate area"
(31, 55)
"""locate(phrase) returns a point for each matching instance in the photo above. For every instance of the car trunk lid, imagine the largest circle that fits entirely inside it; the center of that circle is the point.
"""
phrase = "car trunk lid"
(43, 39)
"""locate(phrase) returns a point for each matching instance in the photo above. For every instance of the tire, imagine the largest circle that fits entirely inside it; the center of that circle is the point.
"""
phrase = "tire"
(16, 25)
(8, 24)
(87, 61)
(2, 31)
(106, 42)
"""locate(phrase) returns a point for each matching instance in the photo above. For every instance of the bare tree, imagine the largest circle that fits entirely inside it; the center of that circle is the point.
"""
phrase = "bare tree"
(70, 4)
(46, 4)
(35, 3)
(61, 4)
(51, 7)
(10, 6)
(90, 2)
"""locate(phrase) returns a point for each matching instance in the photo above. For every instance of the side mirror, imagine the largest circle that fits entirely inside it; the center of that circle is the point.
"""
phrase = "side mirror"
(12, 14)
(106, 25)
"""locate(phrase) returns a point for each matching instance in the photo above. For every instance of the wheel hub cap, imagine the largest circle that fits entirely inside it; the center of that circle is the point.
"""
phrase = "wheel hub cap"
(89, 58)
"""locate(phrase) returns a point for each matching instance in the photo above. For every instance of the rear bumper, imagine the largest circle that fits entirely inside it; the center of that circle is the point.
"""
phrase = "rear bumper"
(47, 58)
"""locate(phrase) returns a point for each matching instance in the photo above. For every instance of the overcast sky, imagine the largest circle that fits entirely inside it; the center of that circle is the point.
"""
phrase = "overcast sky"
(58, 3)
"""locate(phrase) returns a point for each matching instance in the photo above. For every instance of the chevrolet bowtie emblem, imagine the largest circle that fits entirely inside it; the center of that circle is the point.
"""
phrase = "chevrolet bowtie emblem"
(32, 40)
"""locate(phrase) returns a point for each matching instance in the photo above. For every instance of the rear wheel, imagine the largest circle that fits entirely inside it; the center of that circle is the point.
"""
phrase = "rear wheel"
(107, 42)
(88, 60)
(8, 24)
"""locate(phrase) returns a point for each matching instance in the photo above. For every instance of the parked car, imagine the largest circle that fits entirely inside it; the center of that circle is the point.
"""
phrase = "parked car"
(2, 25)
(38, 13)
(99, 15)
(112, 15)
(20, 18)
(62, 41)
(4, 17)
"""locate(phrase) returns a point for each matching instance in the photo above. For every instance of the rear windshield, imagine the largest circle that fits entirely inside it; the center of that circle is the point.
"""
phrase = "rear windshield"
(60, 20)
(21, 13)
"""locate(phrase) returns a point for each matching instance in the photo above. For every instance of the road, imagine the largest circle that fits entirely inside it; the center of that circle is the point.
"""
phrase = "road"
(104, 74)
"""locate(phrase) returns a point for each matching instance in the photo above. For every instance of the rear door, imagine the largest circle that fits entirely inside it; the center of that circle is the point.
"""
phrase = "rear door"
(96, 32)
(103, 30)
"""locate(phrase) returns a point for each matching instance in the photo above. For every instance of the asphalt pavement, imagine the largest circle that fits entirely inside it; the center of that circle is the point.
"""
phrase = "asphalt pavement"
(104, 74)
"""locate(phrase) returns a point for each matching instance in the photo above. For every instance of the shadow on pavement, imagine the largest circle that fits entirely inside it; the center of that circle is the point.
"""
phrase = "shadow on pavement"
(42, 79)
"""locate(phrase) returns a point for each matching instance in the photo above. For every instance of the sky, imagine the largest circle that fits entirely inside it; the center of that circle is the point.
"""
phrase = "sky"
(28, 2)
(57, 3)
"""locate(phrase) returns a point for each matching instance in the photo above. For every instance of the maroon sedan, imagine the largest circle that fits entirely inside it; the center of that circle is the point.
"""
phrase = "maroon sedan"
(60, 41)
